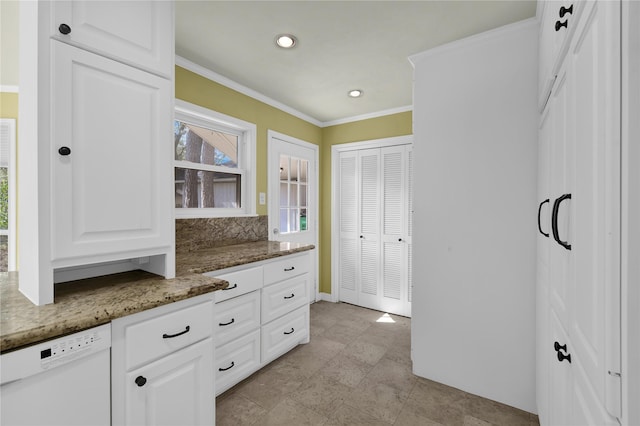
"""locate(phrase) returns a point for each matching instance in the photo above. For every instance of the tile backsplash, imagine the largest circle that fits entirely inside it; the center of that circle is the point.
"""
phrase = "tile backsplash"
(195, 234)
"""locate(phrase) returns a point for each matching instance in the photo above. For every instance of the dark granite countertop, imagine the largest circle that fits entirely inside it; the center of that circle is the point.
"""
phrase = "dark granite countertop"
(82, 304)
(214, 259)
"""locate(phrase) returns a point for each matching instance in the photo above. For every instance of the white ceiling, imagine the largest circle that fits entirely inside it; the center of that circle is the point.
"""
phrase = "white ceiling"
(342, 45)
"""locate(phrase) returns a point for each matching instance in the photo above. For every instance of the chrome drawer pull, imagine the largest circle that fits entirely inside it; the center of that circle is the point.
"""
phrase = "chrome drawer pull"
(232, 287)
(228, 368)
(222, 324)
(289, 269)
(290, 297)
(170, 336)
(289, 332)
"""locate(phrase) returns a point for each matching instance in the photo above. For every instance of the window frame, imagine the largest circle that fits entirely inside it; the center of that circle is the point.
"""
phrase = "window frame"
(246, 132)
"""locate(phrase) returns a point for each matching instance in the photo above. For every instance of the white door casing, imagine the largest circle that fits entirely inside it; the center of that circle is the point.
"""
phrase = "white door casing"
(289, 184)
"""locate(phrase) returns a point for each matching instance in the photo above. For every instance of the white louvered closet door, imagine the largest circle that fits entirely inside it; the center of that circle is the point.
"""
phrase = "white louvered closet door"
(348, 266)
(394, 296)
(374, 198)
(369, 229)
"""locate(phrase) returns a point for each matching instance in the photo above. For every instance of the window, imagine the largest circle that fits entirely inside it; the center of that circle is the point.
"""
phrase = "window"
(293, 194)
(214, 163)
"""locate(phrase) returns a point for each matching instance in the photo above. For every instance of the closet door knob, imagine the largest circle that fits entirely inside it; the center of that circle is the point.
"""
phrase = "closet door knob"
(560, 25)
(565, 10)
(140, 381)
(64, 29)
(546, 234)
(64, 150)
(554, 221)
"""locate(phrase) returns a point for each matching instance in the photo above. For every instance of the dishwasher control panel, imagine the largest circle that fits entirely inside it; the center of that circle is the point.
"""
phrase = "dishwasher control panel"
(44, 356)
(65, 349)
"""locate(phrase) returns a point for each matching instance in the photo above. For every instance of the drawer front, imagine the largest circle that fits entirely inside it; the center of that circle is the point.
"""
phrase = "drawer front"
(156, 337)
(236, 317)
(284, 333)
(279, 299)
(237, 360)
(287, 267)
(240, 282)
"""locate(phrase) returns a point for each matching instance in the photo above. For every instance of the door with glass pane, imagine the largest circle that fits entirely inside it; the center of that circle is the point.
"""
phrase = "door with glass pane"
(293, 193)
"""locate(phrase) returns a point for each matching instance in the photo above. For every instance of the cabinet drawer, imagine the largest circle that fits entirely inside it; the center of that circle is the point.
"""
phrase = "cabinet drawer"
(288, 267)
(284, 333)
(236, 317)
(279, 299)
(156, 337)
(237, 360)
(240, 282)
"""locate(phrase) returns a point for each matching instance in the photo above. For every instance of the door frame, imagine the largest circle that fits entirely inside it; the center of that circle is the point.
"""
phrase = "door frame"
(271, 135)
(335, 196)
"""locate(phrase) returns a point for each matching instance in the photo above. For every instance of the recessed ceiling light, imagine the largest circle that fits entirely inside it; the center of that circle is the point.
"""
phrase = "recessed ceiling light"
(286, 41)
(355, 93)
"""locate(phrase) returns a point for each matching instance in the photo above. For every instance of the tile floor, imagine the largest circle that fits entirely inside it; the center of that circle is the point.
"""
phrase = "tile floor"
(355, 371)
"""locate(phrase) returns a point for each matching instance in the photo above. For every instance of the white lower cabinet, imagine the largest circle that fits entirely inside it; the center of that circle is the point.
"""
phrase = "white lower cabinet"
(162, 365)
(263, 314)
(174, 390)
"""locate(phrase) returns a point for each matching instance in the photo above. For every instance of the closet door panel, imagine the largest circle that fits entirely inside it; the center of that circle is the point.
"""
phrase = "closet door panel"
(348, 269)
(369, 166)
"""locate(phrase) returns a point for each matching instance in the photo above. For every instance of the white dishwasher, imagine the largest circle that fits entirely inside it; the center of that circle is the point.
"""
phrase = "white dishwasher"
(65, 381)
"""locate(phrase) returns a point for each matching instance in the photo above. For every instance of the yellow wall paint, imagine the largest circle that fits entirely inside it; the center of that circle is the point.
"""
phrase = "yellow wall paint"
(8, 105)
(192, 87)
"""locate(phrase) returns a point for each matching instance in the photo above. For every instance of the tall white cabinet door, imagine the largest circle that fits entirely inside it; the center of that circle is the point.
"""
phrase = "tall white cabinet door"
(561, 186)
(134, 32)
(594, 73)
(394, 230)
(369, 228)
(543, 340)
(109, 136)
(348, 267)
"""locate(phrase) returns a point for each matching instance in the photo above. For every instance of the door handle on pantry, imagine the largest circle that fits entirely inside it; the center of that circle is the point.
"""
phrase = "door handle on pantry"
(546, 234)
(170, 336)
(562, 357)
(565, 10)
(561, 24)
(554, 221)
(557, 346)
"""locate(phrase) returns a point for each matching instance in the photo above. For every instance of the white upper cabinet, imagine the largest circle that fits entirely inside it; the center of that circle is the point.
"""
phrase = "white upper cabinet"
(108, 118)
(133, 32)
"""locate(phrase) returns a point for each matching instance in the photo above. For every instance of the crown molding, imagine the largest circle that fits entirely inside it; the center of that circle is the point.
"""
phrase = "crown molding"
(368, 116)
(227, 82)
(8, 89)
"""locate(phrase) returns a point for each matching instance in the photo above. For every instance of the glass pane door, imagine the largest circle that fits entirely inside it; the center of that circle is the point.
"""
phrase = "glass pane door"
(294, 194)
